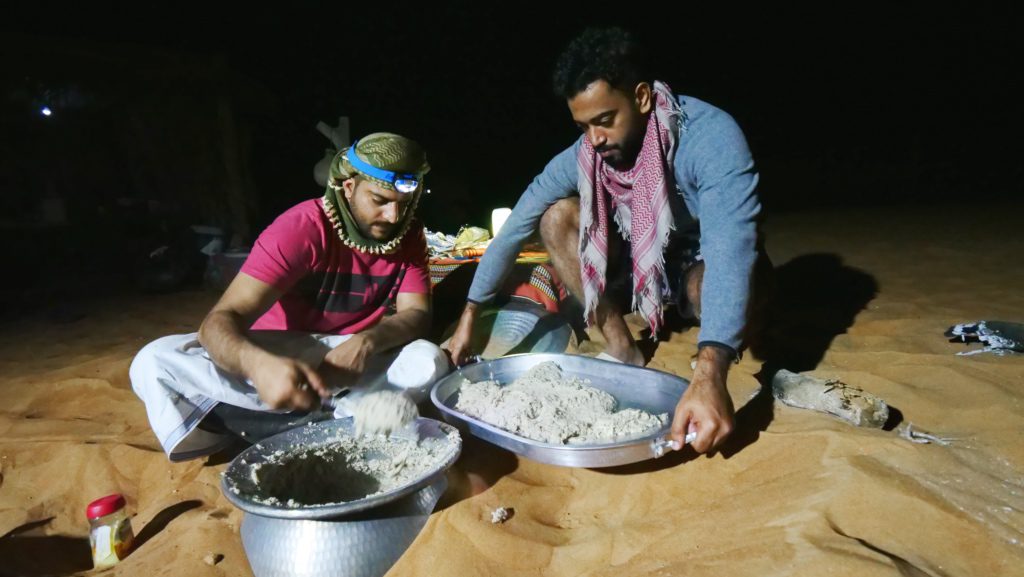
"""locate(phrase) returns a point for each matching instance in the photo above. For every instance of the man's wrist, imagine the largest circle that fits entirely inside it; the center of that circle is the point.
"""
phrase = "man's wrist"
(472, 308)
(712, 362)
(367, 341)
(250, 357)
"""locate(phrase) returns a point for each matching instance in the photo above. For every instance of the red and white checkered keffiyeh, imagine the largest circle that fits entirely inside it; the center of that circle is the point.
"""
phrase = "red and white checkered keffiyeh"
(640, 199)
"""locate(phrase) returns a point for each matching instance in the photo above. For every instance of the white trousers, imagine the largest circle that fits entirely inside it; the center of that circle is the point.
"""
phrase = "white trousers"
(180, 384)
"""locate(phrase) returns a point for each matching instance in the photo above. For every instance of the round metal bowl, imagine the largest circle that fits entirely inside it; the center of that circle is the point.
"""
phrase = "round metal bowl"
(364, 544)
(633, 387)
(237, 483)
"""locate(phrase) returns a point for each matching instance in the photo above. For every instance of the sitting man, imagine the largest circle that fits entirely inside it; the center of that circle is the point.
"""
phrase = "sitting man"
(306, 316)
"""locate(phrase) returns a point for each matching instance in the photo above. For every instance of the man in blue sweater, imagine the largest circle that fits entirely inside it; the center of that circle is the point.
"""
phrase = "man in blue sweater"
(673, 177)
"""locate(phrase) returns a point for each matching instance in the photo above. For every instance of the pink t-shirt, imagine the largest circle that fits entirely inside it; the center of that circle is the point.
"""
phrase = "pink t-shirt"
(329, 287)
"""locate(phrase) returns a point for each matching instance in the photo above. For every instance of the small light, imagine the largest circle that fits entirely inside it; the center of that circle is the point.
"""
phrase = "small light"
(498, 218)
(46, 111)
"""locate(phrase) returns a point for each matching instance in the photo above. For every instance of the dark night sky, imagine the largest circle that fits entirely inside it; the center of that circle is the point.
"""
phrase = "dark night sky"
(842, 106)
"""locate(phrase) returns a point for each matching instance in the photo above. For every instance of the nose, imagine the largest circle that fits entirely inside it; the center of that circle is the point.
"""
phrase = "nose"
(391, 212)
(596, 136)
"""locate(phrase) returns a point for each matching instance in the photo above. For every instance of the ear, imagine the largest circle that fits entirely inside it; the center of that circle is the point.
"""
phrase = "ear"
(644, 97)
(349, 185)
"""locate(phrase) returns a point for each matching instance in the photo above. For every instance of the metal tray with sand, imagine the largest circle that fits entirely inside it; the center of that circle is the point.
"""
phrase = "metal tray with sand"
(633, 388)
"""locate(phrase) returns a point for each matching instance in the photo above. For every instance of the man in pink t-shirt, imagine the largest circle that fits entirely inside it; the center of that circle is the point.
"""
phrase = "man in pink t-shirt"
(308, 313)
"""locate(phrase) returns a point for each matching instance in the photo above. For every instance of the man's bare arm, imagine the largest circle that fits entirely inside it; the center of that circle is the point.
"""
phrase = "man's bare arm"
(410, 322)
(461, 344)
(279, 381)
(706, 406)
(225, 328)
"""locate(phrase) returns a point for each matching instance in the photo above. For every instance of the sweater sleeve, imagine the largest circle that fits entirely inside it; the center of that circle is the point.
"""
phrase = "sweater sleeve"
(557, 181)
(717, 160)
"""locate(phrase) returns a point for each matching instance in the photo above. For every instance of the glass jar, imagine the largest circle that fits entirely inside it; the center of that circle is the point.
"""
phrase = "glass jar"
(110, 530)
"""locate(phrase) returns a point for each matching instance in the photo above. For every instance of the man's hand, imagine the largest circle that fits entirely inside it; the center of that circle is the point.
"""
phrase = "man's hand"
(705, 407)
(460, 345)
(347, 361)
(285, 383)
(280, 382)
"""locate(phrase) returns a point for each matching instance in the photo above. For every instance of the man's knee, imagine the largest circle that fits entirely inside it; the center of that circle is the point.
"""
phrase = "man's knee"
(151, 361)
(694, 280)
(559, 218)
(760, 291)
(145, 365)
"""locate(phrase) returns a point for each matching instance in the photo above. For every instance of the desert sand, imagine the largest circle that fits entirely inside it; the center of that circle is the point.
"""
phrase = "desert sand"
(864, 296)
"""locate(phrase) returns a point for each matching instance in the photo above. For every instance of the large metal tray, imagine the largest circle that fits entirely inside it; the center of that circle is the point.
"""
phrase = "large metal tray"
(633, 387)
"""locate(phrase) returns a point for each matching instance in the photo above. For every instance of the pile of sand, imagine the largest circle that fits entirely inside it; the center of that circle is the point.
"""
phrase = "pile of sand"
(551, 407)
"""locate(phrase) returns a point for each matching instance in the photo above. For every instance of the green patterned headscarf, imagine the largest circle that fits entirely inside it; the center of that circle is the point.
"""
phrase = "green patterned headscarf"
(383, 150)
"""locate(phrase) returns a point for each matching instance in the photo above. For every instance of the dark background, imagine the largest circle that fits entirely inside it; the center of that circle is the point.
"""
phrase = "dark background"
(166, 115)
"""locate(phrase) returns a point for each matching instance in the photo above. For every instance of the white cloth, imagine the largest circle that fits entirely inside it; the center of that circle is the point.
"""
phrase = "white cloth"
(180, 384)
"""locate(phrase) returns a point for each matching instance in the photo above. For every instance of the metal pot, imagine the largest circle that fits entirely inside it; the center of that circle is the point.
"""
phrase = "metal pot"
(364, 544)
(361, 538)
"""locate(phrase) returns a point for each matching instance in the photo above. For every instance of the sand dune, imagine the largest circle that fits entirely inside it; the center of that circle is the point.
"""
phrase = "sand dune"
(864, 295)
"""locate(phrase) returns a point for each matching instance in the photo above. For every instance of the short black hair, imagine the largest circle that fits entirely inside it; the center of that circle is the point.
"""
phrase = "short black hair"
(610, 54)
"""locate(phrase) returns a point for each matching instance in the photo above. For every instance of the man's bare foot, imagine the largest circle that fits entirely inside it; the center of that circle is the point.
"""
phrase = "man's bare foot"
(630, 355)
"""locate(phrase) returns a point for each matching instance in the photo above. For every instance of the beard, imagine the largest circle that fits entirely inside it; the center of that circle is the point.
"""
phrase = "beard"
(380, 231)
(621, 156)
(613, 156)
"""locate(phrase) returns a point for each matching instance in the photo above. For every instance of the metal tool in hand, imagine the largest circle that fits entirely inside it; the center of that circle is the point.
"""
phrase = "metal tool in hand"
(470, 360)
(664, 444)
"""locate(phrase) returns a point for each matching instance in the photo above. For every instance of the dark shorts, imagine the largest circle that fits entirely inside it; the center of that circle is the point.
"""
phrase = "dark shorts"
(681, 256)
